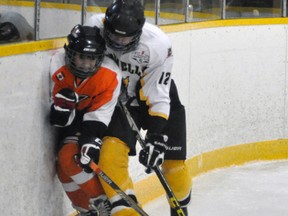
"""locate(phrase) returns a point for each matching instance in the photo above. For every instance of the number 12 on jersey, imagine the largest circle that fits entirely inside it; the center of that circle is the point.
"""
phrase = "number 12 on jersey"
(165, 76)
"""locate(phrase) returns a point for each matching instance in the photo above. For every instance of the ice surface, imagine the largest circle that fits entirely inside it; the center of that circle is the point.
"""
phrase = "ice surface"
(254, 189)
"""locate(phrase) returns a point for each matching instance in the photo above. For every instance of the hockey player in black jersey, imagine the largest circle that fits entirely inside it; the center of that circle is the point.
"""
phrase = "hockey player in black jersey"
(144, 54)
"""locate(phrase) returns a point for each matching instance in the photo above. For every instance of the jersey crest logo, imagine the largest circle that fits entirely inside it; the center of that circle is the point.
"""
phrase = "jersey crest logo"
(141, 57)
(60, 76)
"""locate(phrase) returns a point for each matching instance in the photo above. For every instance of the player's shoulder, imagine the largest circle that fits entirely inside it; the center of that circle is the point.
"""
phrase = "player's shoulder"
(153, 34)
(110, 63)
(62, 70)
(155, 42)
(62, 75)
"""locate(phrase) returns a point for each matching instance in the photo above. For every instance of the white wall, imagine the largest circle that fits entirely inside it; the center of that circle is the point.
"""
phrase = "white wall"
(232, 81)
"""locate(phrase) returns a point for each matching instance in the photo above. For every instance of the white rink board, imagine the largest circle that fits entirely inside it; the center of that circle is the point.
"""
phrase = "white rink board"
(231, 79)
(237, 85)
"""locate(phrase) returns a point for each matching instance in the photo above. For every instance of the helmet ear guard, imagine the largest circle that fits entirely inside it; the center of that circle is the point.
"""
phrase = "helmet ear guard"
(88, 43)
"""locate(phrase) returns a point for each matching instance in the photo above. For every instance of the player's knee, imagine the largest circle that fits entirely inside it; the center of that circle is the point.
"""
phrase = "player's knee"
(114, 162)
(114, 153)
(66, 155)
(173, 165)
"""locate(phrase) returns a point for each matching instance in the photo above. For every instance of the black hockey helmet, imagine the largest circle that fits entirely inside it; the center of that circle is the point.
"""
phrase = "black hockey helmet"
(87, 42)
(123, 23)
(8, 32)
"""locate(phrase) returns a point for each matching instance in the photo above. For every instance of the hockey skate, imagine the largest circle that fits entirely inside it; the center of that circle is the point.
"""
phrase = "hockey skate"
(99, 206)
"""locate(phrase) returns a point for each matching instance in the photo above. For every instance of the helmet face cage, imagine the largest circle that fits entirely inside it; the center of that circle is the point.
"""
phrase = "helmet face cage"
(124, 21)
(83, 65)
(116, 44)
(85, 51)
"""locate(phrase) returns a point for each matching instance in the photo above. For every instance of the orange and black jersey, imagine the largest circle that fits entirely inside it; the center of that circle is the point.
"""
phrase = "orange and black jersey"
(93, 92)
(97, 94)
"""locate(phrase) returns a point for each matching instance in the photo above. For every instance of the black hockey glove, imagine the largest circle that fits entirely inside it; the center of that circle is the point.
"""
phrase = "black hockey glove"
(65, 99)
(153, 154)
(63, 109)
(90, 150)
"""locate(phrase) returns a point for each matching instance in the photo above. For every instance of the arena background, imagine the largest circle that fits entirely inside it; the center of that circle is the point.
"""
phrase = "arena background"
(232, 78)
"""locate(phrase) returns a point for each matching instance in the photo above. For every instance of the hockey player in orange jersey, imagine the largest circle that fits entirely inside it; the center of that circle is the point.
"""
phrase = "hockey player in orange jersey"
(144, 54)
(85, 92)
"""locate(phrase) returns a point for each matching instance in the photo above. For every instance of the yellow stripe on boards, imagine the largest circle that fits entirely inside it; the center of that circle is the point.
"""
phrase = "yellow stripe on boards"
(55, 5)
(30, 47)
(223, 23)
(238, 155)
(17, 3)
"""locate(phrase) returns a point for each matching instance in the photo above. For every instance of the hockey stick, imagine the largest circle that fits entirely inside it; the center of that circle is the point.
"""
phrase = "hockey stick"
(117, 189)
(169, 192)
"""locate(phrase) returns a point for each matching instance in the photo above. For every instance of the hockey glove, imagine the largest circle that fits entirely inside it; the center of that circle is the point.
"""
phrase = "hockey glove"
(90, 150)
(65, 99)
(153, 153)
(63, 110)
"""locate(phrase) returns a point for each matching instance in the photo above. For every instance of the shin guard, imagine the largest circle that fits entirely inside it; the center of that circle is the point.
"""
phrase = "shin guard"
(78, 185)
(114, 162)
(178, 177)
